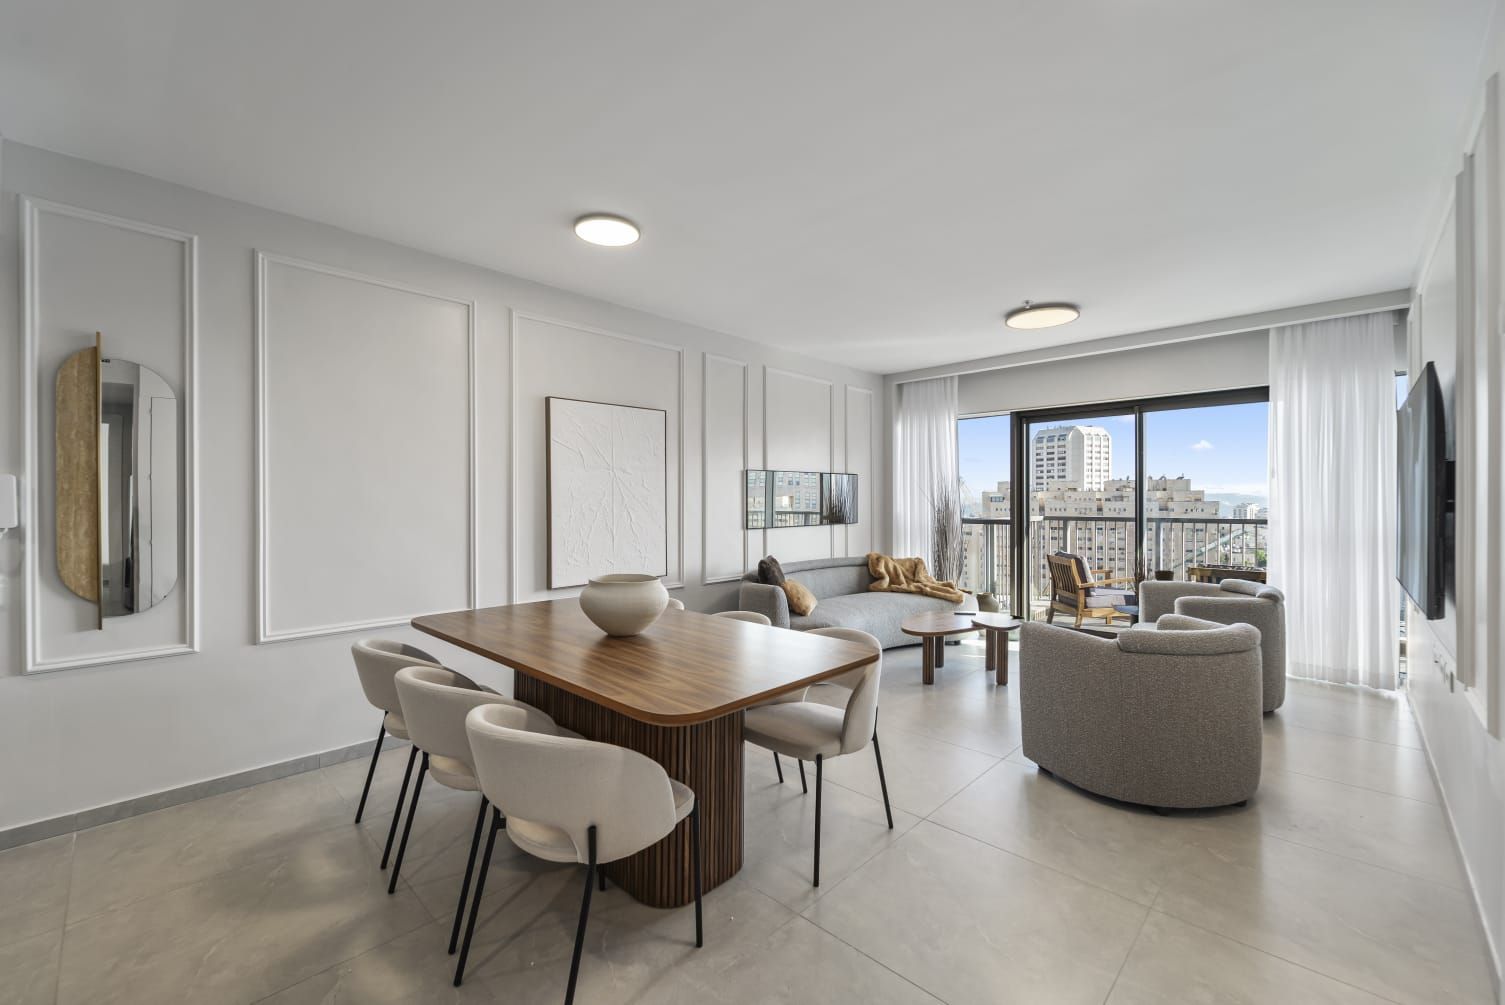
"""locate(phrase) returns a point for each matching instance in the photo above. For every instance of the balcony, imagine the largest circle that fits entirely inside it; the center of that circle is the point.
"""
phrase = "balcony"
(1172, 544)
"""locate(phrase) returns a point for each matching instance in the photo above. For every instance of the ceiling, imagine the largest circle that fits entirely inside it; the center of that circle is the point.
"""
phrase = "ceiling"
(874, 183)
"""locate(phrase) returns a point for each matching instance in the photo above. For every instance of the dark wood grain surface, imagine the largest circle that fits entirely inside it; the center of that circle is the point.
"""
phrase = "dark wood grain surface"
(686, 668)
(936, 623)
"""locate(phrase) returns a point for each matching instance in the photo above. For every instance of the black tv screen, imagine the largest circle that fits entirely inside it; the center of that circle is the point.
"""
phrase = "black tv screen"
(1421, 501)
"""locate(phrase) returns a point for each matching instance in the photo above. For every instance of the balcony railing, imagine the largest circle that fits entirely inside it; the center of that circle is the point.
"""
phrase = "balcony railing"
(1171, 543)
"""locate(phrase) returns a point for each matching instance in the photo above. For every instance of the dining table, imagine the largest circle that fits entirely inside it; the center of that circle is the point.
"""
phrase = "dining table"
(675, 693)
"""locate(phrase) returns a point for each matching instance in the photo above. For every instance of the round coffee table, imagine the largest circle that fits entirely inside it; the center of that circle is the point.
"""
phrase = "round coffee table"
(932, 629)
(996, 628)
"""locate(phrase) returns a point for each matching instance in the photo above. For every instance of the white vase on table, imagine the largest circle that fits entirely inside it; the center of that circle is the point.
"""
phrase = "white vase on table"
(624, 604)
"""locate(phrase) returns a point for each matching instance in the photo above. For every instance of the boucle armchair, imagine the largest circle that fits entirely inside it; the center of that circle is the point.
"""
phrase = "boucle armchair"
(1166, 715)
(1232, 602)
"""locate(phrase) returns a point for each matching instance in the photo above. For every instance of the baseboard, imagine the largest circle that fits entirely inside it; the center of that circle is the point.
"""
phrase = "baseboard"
(84, 819)
(1468, 872)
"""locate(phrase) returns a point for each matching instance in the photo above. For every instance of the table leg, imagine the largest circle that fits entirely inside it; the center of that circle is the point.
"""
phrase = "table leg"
(705, 756)
(940, 651)
(927, 660)
(1000, 657)
(990, 652)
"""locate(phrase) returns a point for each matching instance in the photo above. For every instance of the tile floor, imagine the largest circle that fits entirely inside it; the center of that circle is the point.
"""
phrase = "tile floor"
(997, 884)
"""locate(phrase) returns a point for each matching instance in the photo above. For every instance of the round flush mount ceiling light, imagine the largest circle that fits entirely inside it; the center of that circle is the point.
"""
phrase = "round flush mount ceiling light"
(607, 230)
(1033, 315)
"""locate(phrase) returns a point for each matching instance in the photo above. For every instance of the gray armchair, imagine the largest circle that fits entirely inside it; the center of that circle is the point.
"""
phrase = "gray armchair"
(1231, 602)
(1166, 715)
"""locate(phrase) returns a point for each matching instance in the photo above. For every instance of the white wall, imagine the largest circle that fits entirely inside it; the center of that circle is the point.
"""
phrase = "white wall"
(1468, 756)
(1205, 364)
(402, 517)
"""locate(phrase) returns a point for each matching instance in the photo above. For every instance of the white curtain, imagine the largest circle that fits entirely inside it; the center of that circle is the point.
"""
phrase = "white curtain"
(1332, 497)
(924, 461)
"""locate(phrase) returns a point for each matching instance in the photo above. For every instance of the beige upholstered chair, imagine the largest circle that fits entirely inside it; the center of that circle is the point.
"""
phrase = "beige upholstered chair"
(571, 800)
(676, 603)
(435, 702)
(377, 662)
(751, 617)
(1165, 715)
(1231, 602)
(810, 730)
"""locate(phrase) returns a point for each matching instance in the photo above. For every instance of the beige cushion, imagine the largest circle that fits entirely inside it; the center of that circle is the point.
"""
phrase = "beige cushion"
(553, 844)
(799, 729)
(801, 600)
(454, 773)
(395, 726)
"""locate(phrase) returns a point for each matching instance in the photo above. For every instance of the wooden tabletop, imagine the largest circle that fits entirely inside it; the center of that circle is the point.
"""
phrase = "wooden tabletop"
(686, 668)
(996, 620)
(935, 623)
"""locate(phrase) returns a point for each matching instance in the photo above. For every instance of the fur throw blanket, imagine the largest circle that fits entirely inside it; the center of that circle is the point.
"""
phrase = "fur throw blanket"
(908, 575)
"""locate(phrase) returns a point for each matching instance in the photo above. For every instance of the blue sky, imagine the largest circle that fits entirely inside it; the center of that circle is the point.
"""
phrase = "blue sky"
(1221, 449)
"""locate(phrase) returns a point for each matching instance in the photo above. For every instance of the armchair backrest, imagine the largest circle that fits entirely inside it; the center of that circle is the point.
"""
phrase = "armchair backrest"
(435, 702)
(570, 784)
(377, 662)
(1065, 573)
(861, 716)
(1179, 635)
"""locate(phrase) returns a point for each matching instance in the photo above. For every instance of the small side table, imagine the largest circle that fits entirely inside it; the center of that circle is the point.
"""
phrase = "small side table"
(932, 630)
(995, 629)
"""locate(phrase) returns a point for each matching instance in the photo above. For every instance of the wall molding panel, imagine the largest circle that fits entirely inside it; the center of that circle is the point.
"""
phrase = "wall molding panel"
(865, 508)
(272, 626)
(33, 211)
(795, 454)
(707, 451)
(518, 478)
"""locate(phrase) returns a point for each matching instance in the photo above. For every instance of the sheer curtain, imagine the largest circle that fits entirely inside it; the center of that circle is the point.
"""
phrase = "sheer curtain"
(924, 461)
(1332, 497)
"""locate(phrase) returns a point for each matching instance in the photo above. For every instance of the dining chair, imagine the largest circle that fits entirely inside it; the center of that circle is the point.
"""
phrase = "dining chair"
(566, 799)
(377, 662)
(812, 730)
(676, 603)
(435, 702)
(751, 617)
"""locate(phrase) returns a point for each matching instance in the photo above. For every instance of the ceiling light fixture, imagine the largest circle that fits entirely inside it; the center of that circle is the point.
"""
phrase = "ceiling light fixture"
(607, 230)
(1033, 315)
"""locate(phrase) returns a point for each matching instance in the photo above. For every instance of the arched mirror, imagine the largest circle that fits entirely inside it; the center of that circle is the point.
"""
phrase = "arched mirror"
(117, 483)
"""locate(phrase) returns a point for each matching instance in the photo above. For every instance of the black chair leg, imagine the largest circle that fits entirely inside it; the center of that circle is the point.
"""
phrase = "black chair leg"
(601, 880)
(778, 767)
(585, 910)
(818, 773)
(402, 796)
(470, 866)
(475, 900)
(882, 781)
(803, 787)
(381, 734)
(695, 864)
(408, 827)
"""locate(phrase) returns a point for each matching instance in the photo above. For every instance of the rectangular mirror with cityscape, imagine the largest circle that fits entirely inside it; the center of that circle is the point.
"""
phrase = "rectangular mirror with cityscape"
(800, 499)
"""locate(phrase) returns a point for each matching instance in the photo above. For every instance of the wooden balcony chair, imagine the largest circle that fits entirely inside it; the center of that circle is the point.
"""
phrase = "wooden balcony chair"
(1075, 591)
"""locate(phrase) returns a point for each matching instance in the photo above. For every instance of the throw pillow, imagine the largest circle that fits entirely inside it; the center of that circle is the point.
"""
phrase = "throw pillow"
(801, 600)
(771, 572)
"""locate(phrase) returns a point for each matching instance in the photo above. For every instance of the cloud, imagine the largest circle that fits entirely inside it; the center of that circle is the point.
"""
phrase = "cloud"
(1201, 445)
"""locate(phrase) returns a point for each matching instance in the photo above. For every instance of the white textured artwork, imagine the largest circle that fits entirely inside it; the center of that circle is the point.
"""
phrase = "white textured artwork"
(608, 507)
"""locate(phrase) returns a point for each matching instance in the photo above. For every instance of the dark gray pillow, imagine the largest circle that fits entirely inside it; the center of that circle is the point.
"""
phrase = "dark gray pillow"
(770, 571)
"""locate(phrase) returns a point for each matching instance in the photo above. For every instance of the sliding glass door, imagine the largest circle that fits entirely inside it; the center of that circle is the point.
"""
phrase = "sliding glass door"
(1080, 498)
(1171, 488)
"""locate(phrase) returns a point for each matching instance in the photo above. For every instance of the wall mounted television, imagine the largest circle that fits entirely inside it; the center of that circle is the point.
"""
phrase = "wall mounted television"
(1423, 495)
(800, 499)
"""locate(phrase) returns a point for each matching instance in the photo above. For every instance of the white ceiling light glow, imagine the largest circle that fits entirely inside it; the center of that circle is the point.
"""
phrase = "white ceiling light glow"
(607, 230)
(1033, 315)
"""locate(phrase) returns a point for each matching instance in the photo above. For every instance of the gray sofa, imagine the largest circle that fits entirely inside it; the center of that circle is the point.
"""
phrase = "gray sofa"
(843, 600)
(1165, 715)
(1232, 602)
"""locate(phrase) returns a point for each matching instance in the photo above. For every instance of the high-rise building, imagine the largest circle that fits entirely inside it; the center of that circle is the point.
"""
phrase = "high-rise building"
(1072, 457)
